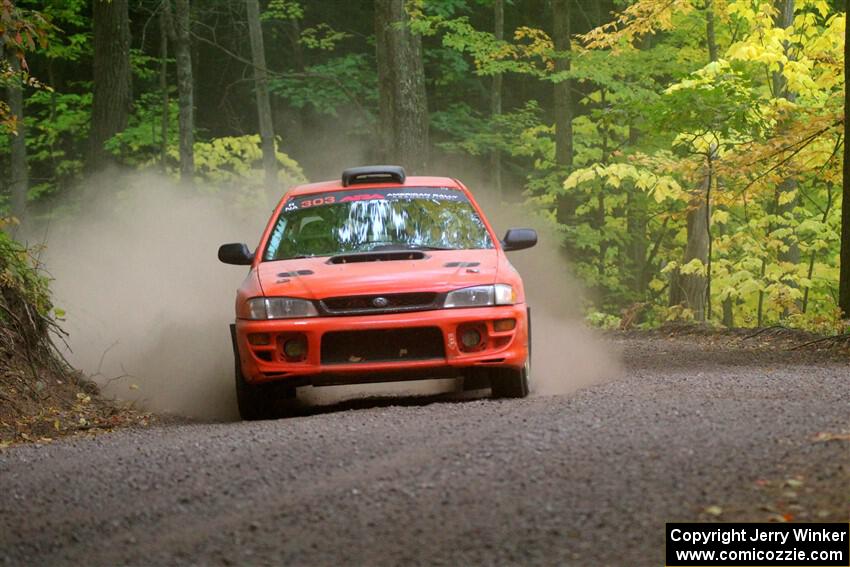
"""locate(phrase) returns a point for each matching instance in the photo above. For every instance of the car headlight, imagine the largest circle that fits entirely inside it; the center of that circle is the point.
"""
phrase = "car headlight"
(278, 308)
(481, 296)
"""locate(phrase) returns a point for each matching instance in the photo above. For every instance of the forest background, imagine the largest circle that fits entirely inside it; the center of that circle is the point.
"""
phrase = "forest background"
(688, 154)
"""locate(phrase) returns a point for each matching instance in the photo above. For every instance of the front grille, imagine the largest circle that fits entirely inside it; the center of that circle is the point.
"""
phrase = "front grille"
(352, 347)
(389, 303)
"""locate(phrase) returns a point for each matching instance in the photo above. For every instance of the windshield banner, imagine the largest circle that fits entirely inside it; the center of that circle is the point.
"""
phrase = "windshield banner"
(393, 194)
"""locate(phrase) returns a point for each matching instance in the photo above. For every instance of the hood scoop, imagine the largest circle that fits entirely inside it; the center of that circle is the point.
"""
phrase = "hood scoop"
(295, 273)
(461, 264)
(387, 256)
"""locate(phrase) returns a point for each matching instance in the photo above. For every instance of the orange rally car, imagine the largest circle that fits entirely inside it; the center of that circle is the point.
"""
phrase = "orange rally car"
(378, 277)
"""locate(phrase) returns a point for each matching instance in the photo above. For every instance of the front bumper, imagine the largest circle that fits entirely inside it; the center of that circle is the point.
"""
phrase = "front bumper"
(267, 363)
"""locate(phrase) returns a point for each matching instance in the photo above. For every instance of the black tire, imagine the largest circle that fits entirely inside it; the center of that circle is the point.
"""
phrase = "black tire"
(509, 382)
(254, 401)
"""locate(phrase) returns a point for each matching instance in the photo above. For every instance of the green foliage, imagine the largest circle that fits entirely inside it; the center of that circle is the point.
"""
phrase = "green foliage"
(20, 274)
(57, 134)
(327, 87)
(66, 38)
(530, 52)
(717, 100)
(143, 66)
(649, 121)
(322, 36)
(283, 10)
(238, 159)
(469, 131)
(234, 165)
(602, 320)
(140, 143)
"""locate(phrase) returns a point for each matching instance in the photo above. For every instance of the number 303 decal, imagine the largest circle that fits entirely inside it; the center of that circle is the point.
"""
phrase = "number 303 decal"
(318, 201)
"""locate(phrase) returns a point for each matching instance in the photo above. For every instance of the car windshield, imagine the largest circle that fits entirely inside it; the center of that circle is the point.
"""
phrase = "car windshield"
(369, 220)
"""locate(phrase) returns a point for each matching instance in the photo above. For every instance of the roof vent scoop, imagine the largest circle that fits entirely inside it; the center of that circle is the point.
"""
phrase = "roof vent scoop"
(373, 174)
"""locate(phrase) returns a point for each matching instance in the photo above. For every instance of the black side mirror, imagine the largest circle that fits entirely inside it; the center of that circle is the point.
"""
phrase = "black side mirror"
(519, 239)
(237, 254)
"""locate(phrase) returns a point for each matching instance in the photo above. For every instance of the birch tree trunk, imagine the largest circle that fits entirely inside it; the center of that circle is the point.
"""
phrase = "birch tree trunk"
(261, 87)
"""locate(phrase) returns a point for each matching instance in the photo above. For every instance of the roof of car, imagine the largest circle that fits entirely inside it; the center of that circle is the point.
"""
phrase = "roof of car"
(336, 185)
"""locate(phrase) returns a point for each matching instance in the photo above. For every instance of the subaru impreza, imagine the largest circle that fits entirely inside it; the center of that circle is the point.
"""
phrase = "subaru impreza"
(378, 277)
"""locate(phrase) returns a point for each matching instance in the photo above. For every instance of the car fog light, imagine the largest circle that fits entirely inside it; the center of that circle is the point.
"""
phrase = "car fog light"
(501, 325)
(294, 349)
(470, 338)
(259, 339)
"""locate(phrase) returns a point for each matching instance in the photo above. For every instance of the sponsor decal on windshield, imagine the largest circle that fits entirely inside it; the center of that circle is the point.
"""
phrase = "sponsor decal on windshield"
(394, 194)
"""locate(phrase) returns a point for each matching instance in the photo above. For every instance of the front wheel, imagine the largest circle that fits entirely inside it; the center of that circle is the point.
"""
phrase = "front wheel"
(252, 400)
(509, 382)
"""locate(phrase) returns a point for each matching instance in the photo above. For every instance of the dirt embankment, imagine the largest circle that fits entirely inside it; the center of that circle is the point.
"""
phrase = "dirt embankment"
(41, 400)
(41, 396)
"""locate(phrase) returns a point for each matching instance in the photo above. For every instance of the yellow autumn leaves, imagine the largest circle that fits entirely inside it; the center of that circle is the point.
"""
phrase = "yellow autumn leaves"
(661, 187)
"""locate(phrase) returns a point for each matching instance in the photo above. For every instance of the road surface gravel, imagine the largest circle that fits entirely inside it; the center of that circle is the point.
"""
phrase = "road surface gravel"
(699, 428)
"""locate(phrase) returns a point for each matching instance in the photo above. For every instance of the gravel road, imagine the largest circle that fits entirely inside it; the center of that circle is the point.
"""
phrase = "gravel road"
(695, 429)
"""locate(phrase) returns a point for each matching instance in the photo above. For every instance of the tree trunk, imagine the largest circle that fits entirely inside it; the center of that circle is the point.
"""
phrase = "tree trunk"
(163, 86)
(709, 31)
(784, 19)
(598, 222)
(179, 34)
(261, 86)
(562, 95)
(691, 289)
(386, 88)
(760, 309)
(813, 254)
(297, 119)
(496, 100)
(636, 219)
(19, 172)
(112, 94)
(844, 276)
(402, 101)
(636, 215)
(728, 313)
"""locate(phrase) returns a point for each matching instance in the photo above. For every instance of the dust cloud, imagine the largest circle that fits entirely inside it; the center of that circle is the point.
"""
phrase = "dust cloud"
(148, 305)
(566, 354)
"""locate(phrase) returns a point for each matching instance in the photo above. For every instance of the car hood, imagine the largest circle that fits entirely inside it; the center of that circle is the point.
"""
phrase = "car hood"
(439, 271)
